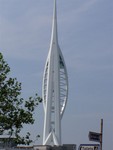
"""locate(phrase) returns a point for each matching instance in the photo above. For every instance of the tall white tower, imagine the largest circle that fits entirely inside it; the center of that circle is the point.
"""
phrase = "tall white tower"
(54, 90)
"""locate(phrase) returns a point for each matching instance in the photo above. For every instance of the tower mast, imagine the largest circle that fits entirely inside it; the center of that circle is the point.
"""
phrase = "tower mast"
(54, 89)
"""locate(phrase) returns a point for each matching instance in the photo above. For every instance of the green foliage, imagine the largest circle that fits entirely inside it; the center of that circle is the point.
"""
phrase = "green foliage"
(14, 110)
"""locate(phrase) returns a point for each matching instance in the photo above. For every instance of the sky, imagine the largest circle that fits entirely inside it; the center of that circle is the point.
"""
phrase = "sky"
(85, 32)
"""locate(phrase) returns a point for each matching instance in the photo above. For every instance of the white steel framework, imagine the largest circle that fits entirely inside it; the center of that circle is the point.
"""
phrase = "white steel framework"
(54, 89)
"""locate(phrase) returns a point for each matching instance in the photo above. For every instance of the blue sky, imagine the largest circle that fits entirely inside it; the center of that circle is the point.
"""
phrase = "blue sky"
(85, 30)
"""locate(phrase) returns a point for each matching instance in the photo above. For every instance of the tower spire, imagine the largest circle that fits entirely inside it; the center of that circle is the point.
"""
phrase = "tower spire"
(54, 89)
(54, 35)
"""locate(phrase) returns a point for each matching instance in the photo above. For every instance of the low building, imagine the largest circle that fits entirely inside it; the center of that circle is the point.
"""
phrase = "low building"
(6, 141)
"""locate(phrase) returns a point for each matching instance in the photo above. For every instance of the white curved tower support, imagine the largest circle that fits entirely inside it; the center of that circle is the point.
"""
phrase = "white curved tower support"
(54, 90)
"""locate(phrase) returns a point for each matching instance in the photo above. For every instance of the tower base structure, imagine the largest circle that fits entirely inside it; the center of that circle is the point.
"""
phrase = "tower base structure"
(62, 147)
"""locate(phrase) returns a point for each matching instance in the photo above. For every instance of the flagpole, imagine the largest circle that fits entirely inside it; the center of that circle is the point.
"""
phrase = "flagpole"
(101, 136)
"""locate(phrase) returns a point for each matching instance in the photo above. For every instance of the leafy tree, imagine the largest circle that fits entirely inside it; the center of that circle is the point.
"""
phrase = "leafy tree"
(14, 110)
